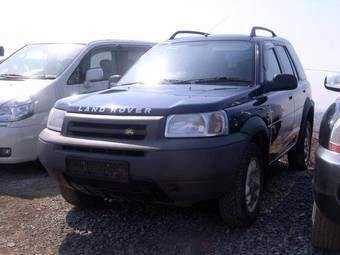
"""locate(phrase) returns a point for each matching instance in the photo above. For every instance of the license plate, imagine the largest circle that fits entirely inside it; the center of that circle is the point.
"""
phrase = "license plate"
(103, 169)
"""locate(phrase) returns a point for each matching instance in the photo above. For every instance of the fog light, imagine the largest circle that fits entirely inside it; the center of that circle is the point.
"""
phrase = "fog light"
(5, 152)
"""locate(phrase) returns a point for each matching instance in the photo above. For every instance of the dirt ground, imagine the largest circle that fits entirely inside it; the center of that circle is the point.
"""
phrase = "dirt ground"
(34, 219)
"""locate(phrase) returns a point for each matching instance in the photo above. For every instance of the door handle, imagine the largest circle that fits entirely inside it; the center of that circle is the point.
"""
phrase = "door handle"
(290, 97)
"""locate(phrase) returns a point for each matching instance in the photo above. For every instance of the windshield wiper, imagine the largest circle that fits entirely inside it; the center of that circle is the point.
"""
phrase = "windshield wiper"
(13, 75)
(218, 79)
(44, 77)
(131, 83)
(174, 81)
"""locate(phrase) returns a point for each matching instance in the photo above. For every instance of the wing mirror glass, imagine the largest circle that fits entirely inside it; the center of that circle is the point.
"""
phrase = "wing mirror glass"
(2, 51)
(95, 74)
(282, 82)
(332, 82)
(113, 80)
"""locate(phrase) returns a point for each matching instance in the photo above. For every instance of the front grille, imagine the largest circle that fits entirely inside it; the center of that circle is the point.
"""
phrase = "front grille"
(106, 131)
(114, 152)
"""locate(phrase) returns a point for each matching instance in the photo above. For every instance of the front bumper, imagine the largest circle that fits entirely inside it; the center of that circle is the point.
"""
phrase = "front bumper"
(21, 140)
(174, 170)
(327, 183)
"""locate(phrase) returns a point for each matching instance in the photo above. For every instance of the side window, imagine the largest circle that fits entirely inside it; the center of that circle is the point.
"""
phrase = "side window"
(286, 64)
(271, 65)
(128, 56)
(105, 58)
(295, 59)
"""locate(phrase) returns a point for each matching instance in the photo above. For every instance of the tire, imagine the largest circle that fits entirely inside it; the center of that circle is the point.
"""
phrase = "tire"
(234, 207)
(80, 199)
(298, 156)
(325, 233)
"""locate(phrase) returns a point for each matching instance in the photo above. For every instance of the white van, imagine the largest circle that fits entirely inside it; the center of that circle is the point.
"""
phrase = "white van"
(37, 75)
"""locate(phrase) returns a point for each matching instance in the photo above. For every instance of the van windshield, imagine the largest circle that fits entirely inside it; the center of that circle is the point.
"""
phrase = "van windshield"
(205, 62)
(40, 61)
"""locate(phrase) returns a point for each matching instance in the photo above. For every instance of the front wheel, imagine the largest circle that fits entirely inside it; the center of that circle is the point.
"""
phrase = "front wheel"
(325, 233)
(240, 207)
(298, 156)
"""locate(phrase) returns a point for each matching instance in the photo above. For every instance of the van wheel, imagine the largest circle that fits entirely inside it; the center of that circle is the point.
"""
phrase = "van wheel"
(80, 199)
(298, 156)
(325, 233)
(240, 207)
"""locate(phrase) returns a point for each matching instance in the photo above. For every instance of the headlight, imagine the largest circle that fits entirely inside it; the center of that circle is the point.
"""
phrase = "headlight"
(55, 119)
(197, 125)
(15, 110)
(334, 140)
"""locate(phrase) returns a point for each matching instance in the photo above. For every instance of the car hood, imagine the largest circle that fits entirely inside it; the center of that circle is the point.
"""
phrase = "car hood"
(157, 100)
(13, 89)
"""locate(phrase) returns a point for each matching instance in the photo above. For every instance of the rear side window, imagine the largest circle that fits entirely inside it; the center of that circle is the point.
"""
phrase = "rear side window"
(286, 64)
(271, 65)
(127, 56)
(297, 63)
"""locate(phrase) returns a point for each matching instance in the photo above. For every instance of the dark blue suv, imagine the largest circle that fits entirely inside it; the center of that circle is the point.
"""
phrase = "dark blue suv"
(196, 118)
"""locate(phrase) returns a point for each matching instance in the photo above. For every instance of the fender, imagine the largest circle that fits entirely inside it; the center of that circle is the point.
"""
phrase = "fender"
(308, 106)
(329, 119)
(257, 130)
(255, 125)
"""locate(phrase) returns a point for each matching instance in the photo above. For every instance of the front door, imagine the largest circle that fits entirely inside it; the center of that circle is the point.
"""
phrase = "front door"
(280, 105)
(102, 57)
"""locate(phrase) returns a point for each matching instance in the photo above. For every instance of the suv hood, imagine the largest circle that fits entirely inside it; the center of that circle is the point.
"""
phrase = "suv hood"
(157, 100)
(12, 89)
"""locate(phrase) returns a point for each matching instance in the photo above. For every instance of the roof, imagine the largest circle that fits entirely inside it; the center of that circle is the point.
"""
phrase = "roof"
(121, 42)
(107, 41)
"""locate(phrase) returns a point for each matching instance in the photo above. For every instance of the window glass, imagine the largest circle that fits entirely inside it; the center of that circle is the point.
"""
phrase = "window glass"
(98, 58)
(271, 65)
(297, 63)
(208, 62)
(128, 56)
(40, 61)
(287, 67)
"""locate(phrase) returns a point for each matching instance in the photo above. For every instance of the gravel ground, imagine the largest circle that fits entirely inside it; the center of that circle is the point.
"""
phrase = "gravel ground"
(34, 219)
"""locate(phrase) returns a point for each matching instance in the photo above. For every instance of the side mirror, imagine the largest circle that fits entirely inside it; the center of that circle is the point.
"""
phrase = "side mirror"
(114, 79)
(2, 51)
(95, 74)
(332, 82)
(282, 82)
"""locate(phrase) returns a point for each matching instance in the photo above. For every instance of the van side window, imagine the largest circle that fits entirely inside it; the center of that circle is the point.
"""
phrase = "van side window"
(128, 56)
(271, 65)
(286, 64)
(104, 58)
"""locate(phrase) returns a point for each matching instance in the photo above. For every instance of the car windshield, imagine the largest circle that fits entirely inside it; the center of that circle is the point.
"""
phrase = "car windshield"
(205, 62)
(40, 61)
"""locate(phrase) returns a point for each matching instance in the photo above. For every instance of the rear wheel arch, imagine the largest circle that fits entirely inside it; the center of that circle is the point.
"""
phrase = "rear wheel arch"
(308, 112)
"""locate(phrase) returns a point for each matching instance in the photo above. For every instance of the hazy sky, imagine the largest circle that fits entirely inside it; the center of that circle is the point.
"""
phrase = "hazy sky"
(310, 25)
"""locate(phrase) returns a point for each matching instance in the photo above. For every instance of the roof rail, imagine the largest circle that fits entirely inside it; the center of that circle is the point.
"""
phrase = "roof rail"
(188, 32)
(253, 31)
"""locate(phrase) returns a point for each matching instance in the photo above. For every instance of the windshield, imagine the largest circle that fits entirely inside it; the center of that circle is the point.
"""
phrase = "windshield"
(42, 61)
(216, 62)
